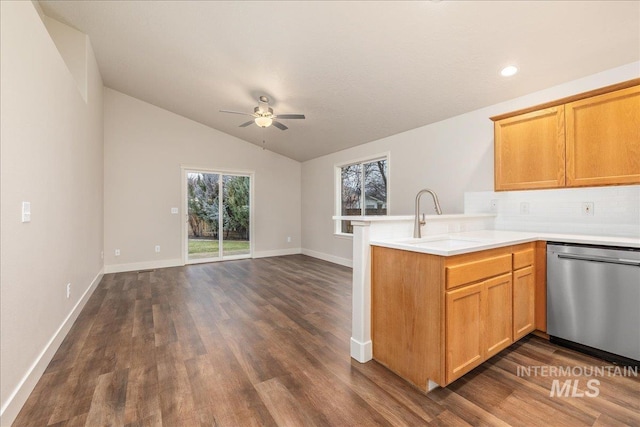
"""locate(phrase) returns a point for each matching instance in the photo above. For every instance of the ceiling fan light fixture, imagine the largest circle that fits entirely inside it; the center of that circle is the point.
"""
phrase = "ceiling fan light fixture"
(263, 122)
(263, 116)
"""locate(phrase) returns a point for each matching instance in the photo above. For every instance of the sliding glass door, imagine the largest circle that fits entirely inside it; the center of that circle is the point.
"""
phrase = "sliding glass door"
(235, 216)
(218, 222)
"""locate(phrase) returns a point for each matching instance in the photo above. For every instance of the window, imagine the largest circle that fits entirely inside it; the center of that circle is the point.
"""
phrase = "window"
(361, 190)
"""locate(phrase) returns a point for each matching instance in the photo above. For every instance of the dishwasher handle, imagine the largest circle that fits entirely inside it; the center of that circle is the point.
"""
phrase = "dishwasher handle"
(595, 258)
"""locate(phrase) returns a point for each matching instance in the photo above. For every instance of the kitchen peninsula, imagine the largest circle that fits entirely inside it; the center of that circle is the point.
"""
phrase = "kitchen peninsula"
(432, 309)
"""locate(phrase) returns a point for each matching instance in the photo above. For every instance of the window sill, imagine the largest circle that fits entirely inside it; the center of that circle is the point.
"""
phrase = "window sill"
(343, 235)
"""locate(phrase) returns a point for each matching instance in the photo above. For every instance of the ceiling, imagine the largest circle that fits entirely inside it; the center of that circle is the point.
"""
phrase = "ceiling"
(359, 71)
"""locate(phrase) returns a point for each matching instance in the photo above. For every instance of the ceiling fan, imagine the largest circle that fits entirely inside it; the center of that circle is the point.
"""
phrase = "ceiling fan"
(263, 115)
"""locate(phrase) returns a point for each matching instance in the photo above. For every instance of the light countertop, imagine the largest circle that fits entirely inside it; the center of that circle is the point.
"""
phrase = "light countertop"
(472, 241)
(402, 218)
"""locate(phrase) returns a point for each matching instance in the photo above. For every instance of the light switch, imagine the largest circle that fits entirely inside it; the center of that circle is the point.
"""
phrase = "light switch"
(26, 212)
(174, 210)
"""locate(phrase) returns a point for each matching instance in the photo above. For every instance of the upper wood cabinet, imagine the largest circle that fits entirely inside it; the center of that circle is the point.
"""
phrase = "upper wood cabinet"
(603, 139)
(590, 139)
(529, 150)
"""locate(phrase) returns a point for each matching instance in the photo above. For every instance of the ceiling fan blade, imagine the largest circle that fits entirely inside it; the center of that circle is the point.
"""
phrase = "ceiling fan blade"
(290, 116)
(236, 112)
(279, 125)
(244, 125)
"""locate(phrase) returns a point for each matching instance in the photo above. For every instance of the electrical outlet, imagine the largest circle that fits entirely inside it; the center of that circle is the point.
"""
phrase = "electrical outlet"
(494, 205)
(524, 208)
(174, 210)
(117, 252)
(101, 254)
(157, 248)
(587, 208)
(68, 290)
(289, 239)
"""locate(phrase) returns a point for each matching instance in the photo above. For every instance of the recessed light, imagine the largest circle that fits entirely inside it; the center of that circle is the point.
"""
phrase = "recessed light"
(509, 71)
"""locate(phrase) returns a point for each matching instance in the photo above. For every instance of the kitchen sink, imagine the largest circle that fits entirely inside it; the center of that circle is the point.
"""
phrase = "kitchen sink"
(446, 243)
(443, 242)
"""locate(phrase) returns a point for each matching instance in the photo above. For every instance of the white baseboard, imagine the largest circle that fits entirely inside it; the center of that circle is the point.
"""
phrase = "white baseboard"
(11, 407)
(326, 257)
(277, 252)
(361, 351)
(145, 265)
(432, 386)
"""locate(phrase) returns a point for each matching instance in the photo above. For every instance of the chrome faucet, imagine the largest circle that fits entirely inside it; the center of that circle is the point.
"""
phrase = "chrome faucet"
(417, 223)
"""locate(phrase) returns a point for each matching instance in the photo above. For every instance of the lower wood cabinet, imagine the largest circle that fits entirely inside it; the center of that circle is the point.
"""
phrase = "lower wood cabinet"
(540, 303)
(478, 324)
(436, 318)
(524, 290)
(498, 330)
(406, 322)
(464, 343)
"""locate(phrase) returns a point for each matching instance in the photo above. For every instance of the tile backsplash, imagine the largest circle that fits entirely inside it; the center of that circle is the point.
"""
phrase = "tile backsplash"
(605, 211)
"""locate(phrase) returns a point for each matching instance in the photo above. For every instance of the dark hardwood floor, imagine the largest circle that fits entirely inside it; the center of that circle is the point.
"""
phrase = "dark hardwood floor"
(266, 342)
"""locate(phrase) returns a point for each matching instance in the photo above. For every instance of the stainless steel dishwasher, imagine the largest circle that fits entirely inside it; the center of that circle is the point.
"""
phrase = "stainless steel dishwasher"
(593, 299)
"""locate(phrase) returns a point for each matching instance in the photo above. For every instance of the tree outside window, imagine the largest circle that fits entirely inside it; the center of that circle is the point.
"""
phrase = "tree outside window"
(363, 188)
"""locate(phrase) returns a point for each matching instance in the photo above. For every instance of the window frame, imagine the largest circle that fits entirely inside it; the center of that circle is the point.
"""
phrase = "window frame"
(337, 188)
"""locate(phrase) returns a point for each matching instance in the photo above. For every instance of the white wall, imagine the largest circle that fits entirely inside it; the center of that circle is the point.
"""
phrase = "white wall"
(51, 156)
(73, 46)
(616, 210)
(450, 157)
(145, 147)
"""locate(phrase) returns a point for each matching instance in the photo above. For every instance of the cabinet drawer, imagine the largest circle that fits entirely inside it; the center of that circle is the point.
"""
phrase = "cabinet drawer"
(523, 259)
(469, 272)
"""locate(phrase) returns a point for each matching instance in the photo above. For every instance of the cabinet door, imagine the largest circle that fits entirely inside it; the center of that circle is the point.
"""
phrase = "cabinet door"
(464, 347)
(603, 139)
(524, 289)
(498, 311)
(541, 286)
(529, 150)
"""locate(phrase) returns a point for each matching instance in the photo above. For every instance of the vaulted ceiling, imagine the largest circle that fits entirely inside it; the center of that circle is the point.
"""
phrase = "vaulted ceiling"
(359, 71)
